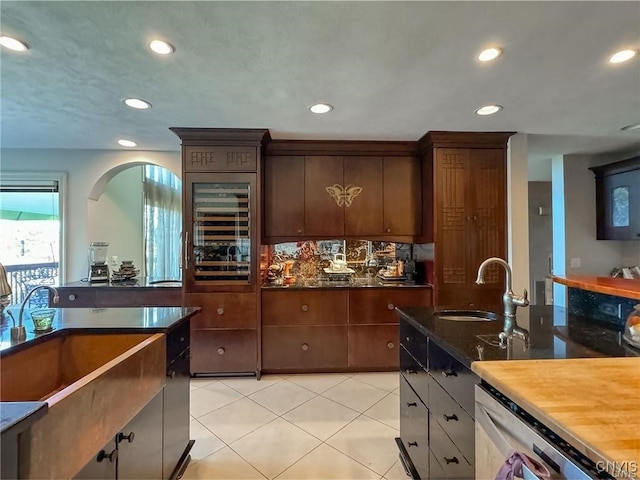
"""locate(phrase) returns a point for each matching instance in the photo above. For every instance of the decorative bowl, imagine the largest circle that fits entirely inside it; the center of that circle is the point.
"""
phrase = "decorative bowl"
(43, 319)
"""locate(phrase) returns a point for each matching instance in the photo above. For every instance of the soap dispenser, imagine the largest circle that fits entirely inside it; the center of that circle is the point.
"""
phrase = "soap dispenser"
(632, 327)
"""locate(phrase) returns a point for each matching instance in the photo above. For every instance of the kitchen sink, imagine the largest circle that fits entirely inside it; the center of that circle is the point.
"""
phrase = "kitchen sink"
(94, 384)
(466, 315)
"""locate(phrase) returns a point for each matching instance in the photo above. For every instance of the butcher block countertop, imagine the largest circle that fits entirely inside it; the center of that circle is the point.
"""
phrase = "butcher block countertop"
(592, 403)
(620, 287)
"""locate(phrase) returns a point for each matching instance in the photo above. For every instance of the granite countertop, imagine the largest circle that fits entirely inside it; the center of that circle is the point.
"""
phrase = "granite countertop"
(134, 282)
(620, 287)
(18, 416)
(354, 283)
(597, 414)
(553, 333)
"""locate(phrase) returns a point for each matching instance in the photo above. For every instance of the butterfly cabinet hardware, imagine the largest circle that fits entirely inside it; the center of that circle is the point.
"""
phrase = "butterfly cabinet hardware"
(343, 195)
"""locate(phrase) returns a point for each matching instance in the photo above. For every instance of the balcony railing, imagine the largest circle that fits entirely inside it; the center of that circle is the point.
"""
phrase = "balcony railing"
(24, 278)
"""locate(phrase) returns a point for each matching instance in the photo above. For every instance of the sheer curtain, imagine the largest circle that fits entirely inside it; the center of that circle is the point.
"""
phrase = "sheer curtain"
(163, 223)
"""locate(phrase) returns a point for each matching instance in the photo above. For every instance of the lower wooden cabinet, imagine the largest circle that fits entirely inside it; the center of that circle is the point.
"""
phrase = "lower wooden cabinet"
(373, 346)
(304, 348)
(224, 336)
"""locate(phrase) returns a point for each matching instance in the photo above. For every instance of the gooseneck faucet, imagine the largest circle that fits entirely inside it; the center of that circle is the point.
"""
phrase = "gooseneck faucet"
(509, 299)
(19, 332)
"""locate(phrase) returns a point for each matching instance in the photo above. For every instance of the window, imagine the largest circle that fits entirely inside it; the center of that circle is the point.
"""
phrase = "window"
(30, 221)
(163, 223)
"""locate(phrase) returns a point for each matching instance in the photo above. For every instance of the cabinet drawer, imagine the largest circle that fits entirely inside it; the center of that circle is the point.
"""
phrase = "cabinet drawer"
(304, 307)
(414, 428)
(447, 455)
(138, 297)
(373, 346)
(415, 374)
(178, 340)
(414, 341)
(74, 298)
(223, 351)
(224, 310)
(304, 348)
(453, 376)
(457, 424)
(377, 305)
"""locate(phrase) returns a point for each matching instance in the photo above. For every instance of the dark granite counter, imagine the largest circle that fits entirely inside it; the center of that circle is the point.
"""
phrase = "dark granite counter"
(553, 333)
(14, 413)
(354, 283)
(145, 282)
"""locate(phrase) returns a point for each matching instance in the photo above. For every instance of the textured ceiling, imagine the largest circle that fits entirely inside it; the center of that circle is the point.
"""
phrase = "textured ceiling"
(392, 70)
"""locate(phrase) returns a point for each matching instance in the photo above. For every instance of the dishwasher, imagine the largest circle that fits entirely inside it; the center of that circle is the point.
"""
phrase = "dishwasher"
(502, 428)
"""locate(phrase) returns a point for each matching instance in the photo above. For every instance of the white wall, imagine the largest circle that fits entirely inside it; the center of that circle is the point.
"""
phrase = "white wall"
(117, 217)
(84, 169)
(518, 211)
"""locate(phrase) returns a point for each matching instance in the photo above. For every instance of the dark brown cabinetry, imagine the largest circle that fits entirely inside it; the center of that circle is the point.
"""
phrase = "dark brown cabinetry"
(221, 191)
(341, 189)
(466, 214)
(618, 200)
(334, 329)
(436, 409)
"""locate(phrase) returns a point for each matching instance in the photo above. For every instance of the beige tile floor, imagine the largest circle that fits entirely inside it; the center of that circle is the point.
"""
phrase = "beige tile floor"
(315, 426)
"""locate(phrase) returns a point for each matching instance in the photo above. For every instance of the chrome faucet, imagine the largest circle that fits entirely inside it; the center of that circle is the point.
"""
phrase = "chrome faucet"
(19, 332)
(509, 299)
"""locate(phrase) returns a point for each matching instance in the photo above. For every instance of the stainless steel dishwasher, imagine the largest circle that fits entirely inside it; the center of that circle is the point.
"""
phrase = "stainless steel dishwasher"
(502, 428)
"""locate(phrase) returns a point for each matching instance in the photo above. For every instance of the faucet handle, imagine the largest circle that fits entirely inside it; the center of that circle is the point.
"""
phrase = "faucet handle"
(522, 301)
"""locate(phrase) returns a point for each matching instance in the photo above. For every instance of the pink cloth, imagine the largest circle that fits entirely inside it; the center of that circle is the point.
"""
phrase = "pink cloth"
(512, 467)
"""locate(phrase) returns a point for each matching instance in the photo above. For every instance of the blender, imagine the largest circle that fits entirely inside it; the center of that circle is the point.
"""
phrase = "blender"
(98, 268)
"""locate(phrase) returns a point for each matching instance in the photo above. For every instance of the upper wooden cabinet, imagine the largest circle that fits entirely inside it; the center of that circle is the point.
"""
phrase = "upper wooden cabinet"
(467, 214)
(618, 200)
(341, 189)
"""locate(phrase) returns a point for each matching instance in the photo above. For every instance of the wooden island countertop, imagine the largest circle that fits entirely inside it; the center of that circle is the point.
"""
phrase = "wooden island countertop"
(620, 287)
(592, 403)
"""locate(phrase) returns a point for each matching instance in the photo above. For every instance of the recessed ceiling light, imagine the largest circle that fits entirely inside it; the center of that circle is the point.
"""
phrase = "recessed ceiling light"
(127, 143)
(489, 109)
(161, 47)
(635, 126)
(622, 56)
(320, 108)
(136, 103)
(489, 54)
(13, 44)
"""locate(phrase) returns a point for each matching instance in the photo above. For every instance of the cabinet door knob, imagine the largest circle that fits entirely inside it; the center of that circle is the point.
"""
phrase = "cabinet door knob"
(122, 437)
(388, 230)
(72, 297)
(390, 345)
(412, 404)
(300, 230)
(220, 311)
(410, 371)
(304, 308)
(102, 455)
(305, 347)
(449, 418)
(449, 373)
(409, 339)
(412, 444)
(221, 351)
(451, 460)
(390, 306)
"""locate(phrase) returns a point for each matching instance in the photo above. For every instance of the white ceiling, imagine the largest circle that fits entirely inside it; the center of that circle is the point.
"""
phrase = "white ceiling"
(392, 70)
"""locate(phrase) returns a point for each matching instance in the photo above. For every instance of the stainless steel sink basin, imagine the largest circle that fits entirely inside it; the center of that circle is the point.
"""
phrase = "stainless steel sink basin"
(466, 315)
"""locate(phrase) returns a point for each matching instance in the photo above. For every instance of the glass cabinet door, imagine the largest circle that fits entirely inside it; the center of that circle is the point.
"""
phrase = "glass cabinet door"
(222, 230)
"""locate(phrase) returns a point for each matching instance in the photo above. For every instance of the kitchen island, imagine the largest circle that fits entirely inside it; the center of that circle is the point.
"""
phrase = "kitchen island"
(437, 358)
(171, 403)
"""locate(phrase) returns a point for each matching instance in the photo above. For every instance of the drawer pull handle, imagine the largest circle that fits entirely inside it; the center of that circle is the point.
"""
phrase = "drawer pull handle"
(410, 371)
(449, 373)
(220, 311)
(305, 347)
(409, 339)
(122, 437)
(449, 418)
(221, 351)
(390, 306)
(72, 297)
(412, 444)
(172, 374)
(412, 404)
(390, 345)
(112, 457)
(305, 308)
(451, 460)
